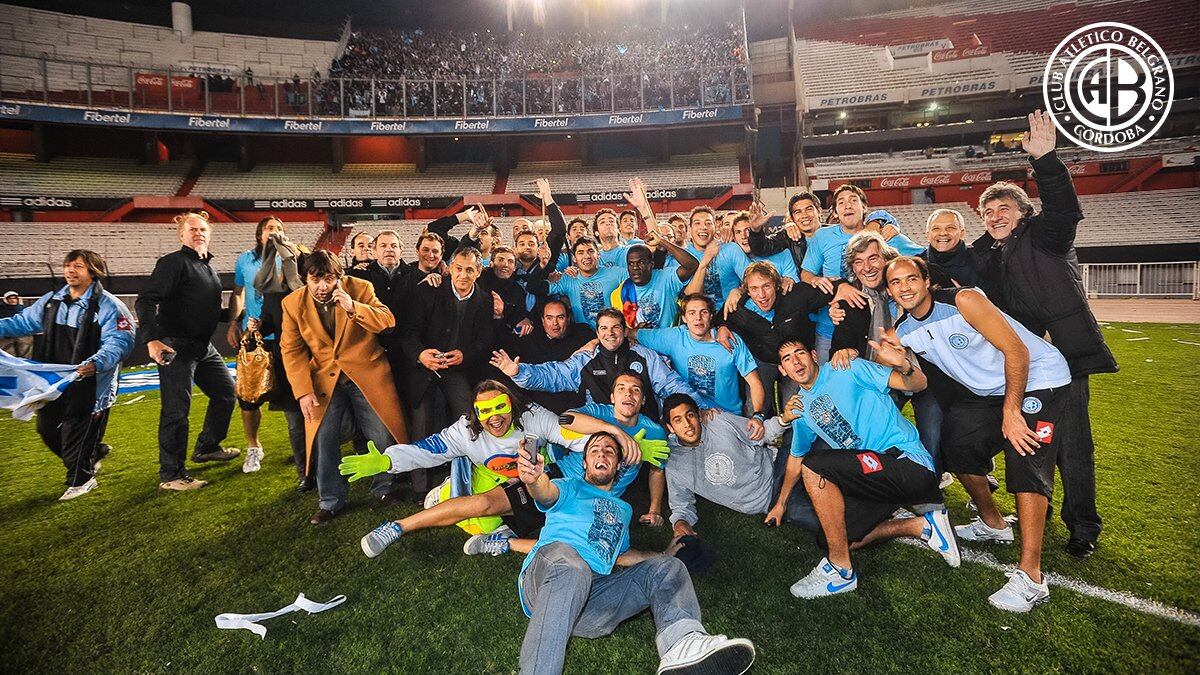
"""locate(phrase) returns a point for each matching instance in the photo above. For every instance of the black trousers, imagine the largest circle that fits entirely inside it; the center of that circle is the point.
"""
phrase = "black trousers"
(194, 361)
(456, 391)
(74, 438)
(1077, 463)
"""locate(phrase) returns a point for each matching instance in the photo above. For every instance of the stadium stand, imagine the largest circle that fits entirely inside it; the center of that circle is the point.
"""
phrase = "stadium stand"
(129, 248)
(697, 170)
(221, 180)
(88, 177)
(911, 162)
(1125, 219)
(846, 55)
(34, 32)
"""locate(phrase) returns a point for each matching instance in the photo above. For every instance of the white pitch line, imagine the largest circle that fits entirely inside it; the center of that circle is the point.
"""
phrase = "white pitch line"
(1133, 602)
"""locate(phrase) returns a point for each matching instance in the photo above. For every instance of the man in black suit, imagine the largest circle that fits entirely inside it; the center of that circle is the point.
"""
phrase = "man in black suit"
(555, 338)
(447, 334)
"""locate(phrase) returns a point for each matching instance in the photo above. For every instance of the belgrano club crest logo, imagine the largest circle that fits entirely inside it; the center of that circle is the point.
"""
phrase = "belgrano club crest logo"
(1108, 86)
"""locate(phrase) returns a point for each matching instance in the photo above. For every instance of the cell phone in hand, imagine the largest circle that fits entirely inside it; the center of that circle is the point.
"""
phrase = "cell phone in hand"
(167, 358)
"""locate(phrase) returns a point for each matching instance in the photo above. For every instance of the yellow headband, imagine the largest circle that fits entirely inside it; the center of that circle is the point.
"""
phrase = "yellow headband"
(497, 405)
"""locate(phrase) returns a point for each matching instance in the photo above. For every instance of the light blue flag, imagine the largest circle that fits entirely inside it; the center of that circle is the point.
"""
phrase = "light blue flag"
(28, 385)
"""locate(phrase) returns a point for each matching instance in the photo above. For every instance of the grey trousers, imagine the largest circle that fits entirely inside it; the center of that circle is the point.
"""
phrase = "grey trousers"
(567, 599)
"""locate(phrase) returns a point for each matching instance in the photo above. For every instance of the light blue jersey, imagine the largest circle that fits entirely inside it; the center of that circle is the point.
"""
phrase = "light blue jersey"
(851, 410)
(589, 295)
(658, 300)
(707, 366)
(244, 270)
(614, 257)
(592, 521)
(571, 463)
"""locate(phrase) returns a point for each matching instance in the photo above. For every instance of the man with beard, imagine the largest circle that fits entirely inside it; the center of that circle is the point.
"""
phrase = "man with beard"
(556, 338)
(338, 371)
(499, 280)
(1030, 270)
(568, 585)
(951, 262)
(499, 424)
(803, 221)
(1012, 392)
(588, 288)
(868, 461)
(824, 261)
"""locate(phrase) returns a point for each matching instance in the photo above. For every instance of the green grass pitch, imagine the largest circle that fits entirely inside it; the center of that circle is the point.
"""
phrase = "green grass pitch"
(128, 578)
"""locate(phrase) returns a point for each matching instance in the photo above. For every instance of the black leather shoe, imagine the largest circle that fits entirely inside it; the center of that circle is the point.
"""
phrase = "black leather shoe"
(305, 485)
(322, 516)
(1080, 548)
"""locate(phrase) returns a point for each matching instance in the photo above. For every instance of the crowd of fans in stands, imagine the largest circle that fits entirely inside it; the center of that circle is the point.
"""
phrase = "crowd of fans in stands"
(538, 73)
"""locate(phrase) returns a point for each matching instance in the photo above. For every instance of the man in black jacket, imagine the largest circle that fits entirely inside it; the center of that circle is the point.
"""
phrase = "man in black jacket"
(950, 261)
(499, 280)
(803, 220)
(447, 334)
(556, 338)
(1030, 271)
(177, 314)
(766, 316)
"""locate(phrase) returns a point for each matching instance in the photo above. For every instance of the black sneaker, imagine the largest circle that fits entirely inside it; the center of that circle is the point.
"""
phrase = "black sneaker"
(220, 455)
(306, 485)
(1080, 548)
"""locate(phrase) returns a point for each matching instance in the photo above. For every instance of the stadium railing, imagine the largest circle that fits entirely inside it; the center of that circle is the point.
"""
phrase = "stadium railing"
(1160, 279)
(130, 87)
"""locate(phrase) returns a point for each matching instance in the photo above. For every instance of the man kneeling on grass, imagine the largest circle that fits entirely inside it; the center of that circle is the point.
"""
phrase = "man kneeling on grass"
(568, 585)
(500, 423)
(870, 460)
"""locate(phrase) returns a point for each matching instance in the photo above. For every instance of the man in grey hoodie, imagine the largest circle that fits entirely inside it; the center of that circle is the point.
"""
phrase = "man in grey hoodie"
(713, 457)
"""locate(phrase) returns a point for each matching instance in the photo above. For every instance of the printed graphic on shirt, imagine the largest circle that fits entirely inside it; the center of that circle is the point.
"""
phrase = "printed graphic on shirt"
(591, 297)
(605, 534)
(825, 413)
(649, 313)
(505, 465)
(718, 469)
(702, 374)
(712, 282)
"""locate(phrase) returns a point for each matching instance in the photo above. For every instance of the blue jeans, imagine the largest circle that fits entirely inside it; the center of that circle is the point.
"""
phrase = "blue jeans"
(567, 598)
(929, 415)
(347, 411)
(195, 361)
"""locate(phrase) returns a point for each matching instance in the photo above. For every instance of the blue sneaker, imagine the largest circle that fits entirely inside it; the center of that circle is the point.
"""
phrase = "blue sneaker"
(380, 538)
(495, 543)
(939, 536)
(824, 580)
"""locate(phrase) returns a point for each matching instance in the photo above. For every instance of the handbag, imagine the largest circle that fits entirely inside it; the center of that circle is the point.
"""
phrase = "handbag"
(255, 376)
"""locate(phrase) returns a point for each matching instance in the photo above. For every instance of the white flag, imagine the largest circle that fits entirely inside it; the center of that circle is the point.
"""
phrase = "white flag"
(28, 385)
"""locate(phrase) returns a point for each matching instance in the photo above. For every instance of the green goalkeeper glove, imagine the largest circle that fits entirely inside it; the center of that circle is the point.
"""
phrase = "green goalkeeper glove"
(653, 451)
(361, 466)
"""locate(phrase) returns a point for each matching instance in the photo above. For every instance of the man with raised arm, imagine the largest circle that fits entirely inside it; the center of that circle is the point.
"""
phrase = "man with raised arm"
(582, 579)
(649, 298)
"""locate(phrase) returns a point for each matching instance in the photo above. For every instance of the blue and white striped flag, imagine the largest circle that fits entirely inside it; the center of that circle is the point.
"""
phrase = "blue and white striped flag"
(27, 385)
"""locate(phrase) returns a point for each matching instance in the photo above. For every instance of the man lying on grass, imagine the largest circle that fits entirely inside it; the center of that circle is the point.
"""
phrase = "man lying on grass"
(498, 424)
(868, 464)
(568, 584)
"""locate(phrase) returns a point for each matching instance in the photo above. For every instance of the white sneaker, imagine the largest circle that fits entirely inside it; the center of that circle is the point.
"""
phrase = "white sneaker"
(79, 490)
(824, 580)
(492, 543)
(1020, 594)
(700, 654)
(941, 537)
(977, 530)
(946, 481)
(253, 461)
(434, 496)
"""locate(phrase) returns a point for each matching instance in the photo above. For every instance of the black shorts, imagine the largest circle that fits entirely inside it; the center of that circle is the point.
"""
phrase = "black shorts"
(262, 400)
(526, 520)
(971, 437)
(873, 484)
